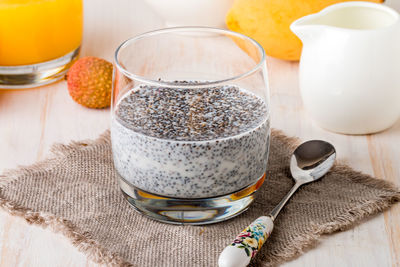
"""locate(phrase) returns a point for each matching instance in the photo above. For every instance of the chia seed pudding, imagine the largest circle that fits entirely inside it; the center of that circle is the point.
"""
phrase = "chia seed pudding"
(190, 143)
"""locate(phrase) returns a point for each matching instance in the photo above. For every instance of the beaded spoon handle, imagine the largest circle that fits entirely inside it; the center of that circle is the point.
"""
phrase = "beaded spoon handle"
(309, 162)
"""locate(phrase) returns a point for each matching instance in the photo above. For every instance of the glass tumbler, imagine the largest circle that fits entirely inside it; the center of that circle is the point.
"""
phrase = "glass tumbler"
(190, 123)
(39, 40)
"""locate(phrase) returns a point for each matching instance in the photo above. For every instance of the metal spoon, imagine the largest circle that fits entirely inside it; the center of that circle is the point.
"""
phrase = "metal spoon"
(309, 162)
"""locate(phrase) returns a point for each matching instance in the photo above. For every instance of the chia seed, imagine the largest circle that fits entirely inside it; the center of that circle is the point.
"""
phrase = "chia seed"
(190, 143)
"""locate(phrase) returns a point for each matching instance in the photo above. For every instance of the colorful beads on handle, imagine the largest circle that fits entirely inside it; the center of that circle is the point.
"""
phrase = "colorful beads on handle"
(247, 243)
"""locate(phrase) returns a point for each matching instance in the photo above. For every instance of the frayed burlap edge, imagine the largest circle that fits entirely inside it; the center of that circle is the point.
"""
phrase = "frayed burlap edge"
(101, 255)
(82, 241)
(305, 241)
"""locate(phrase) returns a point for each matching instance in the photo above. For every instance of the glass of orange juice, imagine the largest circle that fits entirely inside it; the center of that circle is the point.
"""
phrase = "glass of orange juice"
(39, 40)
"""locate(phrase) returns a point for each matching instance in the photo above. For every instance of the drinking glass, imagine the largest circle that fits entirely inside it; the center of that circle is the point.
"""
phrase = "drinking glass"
(39, 40)
(190, 124)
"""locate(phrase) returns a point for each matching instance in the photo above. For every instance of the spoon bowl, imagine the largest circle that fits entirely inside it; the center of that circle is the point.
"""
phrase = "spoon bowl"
(312, 160)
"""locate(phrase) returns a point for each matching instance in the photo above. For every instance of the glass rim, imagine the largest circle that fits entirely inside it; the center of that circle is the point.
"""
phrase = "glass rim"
(140, 78)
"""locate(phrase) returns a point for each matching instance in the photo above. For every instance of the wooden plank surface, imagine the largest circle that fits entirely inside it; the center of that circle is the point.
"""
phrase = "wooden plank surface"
(31, 120)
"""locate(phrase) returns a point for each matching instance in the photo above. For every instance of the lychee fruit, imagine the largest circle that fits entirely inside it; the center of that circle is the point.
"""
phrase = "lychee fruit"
(90, 81)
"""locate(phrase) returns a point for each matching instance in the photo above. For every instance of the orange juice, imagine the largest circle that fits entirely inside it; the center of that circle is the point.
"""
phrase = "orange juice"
(34, 31)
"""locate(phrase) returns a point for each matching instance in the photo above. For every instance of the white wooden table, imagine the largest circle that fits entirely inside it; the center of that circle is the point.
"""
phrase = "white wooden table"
(31, 120)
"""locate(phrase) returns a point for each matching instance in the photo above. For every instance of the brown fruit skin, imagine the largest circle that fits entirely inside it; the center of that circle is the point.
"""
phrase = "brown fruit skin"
(90, 81)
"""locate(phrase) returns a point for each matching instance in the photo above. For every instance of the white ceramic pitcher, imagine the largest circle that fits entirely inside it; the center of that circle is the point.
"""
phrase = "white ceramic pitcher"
(350, 67)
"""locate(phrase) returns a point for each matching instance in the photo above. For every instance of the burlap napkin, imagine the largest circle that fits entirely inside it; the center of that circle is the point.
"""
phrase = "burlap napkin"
(76, 193)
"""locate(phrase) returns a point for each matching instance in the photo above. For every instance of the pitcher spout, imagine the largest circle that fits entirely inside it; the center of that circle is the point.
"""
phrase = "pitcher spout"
(307, 27)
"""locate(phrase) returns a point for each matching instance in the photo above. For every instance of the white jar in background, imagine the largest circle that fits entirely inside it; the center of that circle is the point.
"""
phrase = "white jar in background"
(350, 67)
(209, 13)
